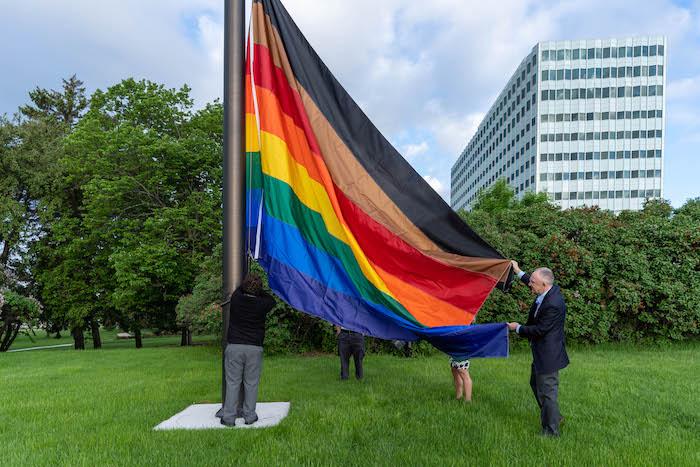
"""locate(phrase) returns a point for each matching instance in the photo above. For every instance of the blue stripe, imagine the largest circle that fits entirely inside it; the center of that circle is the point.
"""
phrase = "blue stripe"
(477, 340)
(311, 296)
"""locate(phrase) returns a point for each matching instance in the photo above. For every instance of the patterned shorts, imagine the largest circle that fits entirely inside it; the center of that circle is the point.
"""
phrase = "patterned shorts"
(459, 364)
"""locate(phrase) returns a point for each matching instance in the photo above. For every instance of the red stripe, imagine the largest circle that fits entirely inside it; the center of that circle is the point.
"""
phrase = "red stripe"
(463, 289)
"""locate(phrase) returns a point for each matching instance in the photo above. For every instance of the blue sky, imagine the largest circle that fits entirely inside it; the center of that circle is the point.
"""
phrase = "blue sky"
(424, 72)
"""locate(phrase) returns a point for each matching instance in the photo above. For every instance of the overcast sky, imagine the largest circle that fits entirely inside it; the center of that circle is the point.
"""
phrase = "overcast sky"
(424, 72)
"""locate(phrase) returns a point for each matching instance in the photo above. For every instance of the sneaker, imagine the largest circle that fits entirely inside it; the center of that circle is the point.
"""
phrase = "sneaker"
(251, 420)
(227, 423)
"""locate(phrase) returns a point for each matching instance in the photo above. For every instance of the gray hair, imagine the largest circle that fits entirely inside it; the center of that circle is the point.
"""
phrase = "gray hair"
(546, 275)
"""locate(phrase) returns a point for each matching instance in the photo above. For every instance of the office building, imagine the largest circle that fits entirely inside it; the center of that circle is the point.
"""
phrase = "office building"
(580, 120)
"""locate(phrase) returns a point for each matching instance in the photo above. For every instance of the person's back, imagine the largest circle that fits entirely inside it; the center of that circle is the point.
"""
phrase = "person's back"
(247, 319)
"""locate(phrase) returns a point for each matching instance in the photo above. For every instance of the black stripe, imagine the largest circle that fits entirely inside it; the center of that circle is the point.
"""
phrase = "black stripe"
(411, 193)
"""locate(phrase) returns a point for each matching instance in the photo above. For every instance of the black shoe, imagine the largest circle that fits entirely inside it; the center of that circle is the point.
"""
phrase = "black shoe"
(219, 413)
(227, 423)
(251, 421)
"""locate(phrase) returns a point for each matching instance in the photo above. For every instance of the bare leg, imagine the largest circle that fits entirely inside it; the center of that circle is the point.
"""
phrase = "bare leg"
(466, 384)
(459, 385)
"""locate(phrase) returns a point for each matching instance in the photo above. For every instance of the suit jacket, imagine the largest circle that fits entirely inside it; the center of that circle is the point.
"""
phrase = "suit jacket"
(546, 331)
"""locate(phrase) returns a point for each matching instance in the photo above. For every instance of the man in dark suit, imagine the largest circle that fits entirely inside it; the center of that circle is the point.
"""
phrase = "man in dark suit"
(545, 331)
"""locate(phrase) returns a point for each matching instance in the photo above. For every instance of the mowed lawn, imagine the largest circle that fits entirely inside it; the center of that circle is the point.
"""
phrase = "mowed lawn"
(623, 406)
(109, 340)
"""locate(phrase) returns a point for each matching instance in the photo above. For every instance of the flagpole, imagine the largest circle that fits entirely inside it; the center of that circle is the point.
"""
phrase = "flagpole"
(234, 264)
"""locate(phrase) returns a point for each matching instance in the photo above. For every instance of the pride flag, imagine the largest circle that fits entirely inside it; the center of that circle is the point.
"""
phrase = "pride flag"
(343, 225)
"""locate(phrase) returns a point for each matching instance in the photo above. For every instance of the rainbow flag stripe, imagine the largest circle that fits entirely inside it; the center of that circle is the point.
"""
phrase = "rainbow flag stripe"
(343, 225)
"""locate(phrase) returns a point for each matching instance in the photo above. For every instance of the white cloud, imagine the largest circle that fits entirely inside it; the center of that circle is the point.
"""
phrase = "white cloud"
(411, 151)
(107, 41)
(437, 185)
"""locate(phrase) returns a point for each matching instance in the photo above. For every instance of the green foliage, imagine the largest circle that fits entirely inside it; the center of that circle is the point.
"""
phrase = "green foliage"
(62, 107)
(18, 314)
(496, 198)
(140, 201)
(633, 276)
(200, 311)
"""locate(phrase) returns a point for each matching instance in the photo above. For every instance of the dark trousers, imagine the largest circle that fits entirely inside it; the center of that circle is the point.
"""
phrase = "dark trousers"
(545, 387)
(351, 343)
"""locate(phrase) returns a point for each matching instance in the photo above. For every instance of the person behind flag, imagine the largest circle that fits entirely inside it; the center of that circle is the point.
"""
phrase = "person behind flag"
(462, 380)
(244, 352)
(545, 331)
(350, 343)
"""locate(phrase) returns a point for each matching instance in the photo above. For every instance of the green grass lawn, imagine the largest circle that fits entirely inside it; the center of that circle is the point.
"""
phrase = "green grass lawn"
(623, 406)
(40, 338)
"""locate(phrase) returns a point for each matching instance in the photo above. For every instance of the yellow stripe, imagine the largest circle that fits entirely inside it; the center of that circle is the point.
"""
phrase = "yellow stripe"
(277, 162)
(251, 134)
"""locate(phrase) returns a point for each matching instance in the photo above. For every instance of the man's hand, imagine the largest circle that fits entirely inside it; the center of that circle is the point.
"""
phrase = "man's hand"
(513, 326)
(516, 268)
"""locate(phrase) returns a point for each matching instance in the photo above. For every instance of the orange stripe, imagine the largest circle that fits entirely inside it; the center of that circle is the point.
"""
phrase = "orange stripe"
(427, 309)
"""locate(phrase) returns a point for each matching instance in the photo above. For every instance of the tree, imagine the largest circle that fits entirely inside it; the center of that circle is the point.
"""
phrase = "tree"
(146, 173)
(63, 107)
(30, 146)
(17, 314)
(43, 124)
(498, 197)
(632, 276)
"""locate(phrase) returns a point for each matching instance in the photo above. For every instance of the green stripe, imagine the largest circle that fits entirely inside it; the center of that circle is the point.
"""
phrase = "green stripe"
(282, 203)
(253, 170)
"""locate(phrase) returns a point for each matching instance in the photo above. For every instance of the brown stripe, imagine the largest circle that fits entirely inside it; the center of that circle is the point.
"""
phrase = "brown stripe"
(352, 178)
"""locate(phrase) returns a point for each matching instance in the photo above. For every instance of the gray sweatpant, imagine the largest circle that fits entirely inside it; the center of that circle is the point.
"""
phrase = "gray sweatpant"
(243, 364)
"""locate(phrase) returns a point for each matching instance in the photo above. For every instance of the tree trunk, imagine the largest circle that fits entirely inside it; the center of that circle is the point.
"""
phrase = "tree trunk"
(96, 339)
(186, 338)
(137, 335)
(78, 338)
(58, 335)
(8, 335)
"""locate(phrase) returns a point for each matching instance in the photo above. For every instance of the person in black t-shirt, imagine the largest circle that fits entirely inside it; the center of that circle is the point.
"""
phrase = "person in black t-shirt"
(244, 351)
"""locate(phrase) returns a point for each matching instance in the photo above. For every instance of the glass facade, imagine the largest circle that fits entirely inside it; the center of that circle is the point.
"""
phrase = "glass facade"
(580, 120)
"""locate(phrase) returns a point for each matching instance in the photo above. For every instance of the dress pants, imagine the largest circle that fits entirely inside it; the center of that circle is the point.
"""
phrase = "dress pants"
(351, 343)
(545, 387)
(243, 365)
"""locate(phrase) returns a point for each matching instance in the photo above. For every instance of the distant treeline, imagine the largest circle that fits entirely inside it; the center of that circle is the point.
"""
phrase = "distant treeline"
(110, 215)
